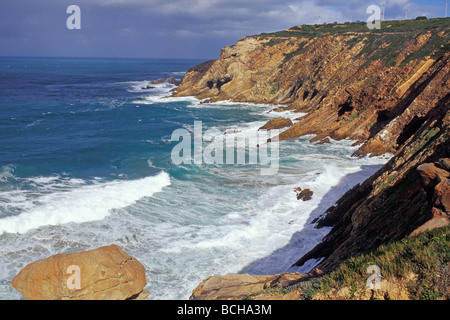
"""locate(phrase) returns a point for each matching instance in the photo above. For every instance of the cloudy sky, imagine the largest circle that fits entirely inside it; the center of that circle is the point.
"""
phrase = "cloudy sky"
(171, 28)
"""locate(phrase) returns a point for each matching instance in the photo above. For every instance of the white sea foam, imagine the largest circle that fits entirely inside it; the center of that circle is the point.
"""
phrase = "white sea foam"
(84, 203)
(285, 114)
(215, 220)
(164, 98)
(6, 172)
(266, 233)
(145, 86)
(226, 104)
(178, 73)
(266, 110)
(256, 222)
(218, 220)
(242, 133)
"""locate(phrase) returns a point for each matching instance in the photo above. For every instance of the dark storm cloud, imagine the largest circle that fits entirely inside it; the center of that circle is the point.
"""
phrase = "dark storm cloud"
(170, 28)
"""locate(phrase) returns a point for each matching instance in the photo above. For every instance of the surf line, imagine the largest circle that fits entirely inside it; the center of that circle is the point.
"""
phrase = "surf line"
(187, 152)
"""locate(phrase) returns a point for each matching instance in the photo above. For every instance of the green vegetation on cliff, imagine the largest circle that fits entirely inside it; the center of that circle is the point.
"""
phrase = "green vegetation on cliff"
(318, 30)
(423, 260)
(414, 268)
(379, 44)
(387, 90)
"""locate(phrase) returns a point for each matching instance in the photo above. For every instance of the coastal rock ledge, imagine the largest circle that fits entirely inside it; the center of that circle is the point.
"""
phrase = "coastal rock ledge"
(242, 286)
(106, 273)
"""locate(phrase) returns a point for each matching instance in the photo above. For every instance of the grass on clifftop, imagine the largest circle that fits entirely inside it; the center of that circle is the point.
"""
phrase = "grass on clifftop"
(397, 26)
(383, 44)
(426, 256)
(415, 268)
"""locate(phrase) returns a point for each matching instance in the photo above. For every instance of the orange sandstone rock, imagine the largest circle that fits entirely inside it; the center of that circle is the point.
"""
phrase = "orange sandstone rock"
(436, 181)
(431, 175)
(441, 196)
(240, 286)
(278, 123)
(351, 87)
(106, 273)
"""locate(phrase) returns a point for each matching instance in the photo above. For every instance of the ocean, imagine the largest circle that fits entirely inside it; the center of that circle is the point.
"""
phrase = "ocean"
(86, 160)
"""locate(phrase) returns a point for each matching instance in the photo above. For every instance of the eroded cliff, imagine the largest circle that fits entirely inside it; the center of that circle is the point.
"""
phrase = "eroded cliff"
(356, 83)
(388, 90)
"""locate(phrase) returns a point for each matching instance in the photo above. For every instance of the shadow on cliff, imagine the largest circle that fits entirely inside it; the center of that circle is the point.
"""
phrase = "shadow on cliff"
(282, 259)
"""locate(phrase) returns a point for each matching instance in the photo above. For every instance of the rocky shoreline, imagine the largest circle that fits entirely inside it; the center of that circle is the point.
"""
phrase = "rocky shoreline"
(389, 91)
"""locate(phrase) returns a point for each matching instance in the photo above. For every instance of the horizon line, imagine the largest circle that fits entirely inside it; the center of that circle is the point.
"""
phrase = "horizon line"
(99, 57)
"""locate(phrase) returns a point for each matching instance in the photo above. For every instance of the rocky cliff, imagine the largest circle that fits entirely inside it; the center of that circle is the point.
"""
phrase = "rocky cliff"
(386, 89)
(368, 86)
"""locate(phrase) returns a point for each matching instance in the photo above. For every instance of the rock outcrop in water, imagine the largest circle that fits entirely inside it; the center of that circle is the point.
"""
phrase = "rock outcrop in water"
(305, 194)
(106, 273)
(388, 90)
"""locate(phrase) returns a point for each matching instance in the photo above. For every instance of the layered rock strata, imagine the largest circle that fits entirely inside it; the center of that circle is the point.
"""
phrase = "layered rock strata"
(373, 87)
(388, 90)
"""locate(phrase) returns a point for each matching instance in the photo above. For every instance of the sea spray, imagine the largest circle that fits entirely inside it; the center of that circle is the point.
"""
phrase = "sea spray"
(226, 148)
(83, 204)
(89, 174)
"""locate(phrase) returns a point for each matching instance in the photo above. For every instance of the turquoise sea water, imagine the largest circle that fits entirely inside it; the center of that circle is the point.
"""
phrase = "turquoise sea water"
(85, 161)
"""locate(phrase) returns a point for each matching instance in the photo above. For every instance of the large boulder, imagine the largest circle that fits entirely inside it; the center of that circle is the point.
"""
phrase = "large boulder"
(441, 196)
(444, 163)
(436, 183)
(106, 273)
(431, 175)
(439, 219)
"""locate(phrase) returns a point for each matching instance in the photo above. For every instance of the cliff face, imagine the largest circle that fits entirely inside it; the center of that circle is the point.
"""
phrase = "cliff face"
(388, 89)
(354, 83)
(395, 202)
(413, 268)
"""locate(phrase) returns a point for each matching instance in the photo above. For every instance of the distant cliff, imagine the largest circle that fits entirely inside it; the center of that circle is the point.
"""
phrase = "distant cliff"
(366, 85)
(386, 89)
